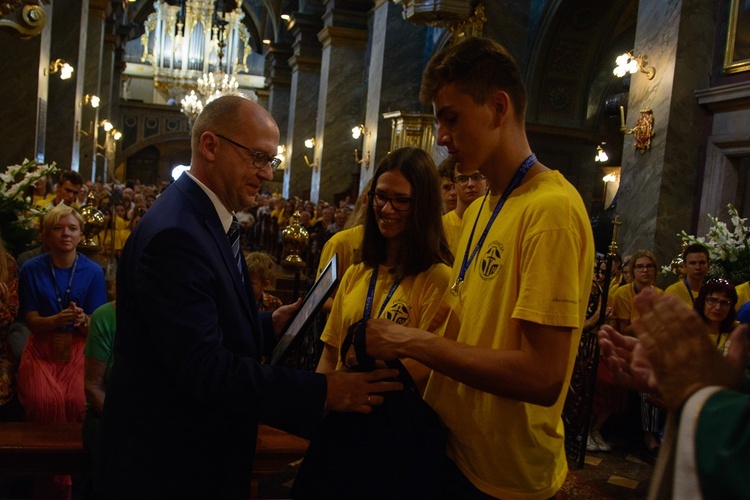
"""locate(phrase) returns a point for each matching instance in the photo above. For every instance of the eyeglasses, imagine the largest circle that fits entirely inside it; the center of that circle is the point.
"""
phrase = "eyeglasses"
(260, 159)
(713, 301)
(398, 203)
(462, 180)
(644, 267)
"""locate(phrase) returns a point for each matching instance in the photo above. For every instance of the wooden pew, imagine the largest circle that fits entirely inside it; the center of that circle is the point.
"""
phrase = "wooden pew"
(28, 449)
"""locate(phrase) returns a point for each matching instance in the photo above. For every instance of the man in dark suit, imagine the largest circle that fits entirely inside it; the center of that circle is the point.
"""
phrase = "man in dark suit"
(187, 389)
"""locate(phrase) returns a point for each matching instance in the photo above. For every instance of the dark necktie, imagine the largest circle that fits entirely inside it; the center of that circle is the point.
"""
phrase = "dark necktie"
(234, 241)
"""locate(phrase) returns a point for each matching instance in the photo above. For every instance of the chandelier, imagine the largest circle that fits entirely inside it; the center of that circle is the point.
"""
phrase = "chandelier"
(194, 41)
(211, 86)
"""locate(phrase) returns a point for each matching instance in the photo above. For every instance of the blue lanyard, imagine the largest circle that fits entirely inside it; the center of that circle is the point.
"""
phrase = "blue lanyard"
(690, 292)
(70, 283)
(371, 293)
(514, 183)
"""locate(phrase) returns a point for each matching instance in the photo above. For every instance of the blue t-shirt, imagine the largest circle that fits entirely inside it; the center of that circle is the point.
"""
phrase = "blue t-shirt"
(37, 291)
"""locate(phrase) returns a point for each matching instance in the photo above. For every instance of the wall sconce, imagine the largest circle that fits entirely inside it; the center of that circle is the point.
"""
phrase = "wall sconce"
(643, 130)
(90, 99)
(65, 69)
(281, 154)
(365, 162)
(80, 132)
(286, 17)
(117, 135)
(310, 144)
(358, 131)
(601, 155)
(632, 62)
(107, 125)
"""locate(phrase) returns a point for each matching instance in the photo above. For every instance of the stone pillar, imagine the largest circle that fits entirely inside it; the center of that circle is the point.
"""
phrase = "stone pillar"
(278, 81)
(305, 64)
(395, 76)
(24, 86)
(341, 100)
(656, 192)
(90, 164)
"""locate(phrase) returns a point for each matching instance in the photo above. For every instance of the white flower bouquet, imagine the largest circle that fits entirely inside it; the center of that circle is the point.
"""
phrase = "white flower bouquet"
(17, 214)
(729, 249)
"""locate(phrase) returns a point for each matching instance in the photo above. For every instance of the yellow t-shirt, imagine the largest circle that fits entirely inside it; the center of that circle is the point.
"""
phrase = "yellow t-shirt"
(414, 303)
(743, 294)
(452, 228)
(535, 265)
(623, 302)
(680, 289)
(345, 243)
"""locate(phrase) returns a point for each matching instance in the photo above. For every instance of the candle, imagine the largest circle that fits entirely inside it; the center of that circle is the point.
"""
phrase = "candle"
(622, 116)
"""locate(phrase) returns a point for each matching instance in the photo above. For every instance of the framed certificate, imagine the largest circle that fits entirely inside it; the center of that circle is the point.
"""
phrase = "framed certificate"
(313, 301)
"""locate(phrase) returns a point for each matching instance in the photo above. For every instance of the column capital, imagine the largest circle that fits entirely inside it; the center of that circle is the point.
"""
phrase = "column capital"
(304, 63)
(330, 35)
(277, 68)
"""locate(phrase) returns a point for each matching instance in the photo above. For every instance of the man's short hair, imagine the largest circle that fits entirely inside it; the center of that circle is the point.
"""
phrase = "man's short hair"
(695, 248)
(446, 168)
(222, 110)
(72, 176)
(479, 66)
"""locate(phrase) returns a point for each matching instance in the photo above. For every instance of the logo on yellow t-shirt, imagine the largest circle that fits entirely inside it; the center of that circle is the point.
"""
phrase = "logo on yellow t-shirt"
(398, 312)
(491, 261)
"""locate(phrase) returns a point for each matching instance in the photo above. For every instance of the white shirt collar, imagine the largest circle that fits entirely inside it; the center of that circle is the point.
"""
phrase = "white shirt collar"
(225, 216)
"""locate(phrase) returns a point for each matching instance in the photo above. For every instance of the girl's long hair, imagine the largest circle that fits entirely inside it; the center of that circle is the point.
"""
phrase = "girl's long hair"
(423, 241)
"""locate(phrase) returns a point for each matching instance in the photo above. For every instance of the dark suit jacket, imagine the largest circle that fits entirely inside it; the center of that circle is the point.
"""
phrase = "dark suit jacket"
(187, 390)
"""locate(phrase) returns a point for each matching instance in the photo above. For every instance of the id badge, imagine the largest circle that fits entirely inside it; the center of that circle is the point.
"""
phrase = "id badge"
(63, 343)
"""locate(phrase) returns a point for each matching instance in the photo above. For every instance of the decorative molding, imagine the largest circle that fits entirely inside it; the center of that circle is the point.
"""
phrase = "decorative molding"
(725, 97)
(23, 19)
(330, 33)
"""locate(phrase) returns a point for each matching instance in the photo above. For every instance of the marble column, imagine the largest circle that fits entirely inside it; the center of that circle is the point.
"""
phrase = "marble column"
(24, 85)
(395, 76)
(303, 101)
(90, 164)
(656, 198)
(278, 79)
(341, 101)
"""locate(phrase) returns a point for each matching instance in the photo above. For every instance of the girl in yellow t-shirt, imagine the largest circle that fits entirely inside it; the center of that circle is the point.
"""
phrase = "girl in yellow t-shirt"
(404, 248)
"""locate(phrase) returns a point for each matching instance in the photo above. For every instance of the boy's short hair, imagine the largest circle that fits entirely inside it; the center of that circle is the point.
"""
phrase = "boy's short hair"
(695, 248)
(446, 169)
(479, 67)
(260, 263)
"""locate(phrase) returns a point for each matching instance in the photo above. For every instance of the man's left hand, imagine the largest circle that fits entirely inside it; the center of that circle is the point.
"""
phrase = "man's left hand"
(281, 316)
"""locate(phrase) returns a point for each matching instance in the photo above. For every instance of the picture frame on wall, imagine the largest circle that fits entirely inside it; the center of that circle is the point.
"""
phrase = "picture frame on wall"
(737, 53)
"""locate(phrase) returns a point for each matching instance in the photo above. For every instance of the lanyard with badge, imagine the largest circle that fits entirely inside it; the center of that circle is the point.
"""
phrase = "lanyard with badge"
(63, 337)
(514, 183)
(365, 362)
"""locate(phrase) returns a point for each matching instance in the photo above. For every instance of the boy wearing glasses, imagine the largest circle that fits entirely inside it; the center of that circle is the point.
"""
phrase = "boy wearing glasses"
(470, 185)
(520, 287)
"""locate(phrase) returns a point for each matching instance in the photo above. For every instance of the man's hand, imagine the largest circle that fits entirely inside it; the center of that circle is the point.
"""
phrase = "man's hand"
(281, 316)
(359, 392)
(676, 342)
(626, 360)
(385, 339)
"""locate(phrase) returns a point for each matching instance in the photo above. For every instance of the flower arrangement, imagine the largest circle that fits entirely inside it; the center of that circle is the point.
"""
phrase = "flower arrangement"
(729, 250)
(17, 215)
